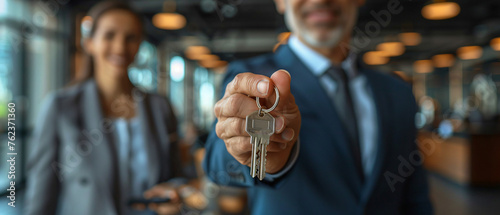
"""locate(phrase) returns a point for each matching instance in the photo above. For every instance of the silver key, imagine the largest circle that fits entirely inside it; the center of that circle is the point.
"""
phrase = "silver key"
(260, 127)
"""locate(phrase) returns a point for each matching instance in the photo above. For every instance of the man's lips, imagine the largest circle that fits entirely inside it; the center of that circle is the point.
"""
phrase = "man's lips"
(320, 16)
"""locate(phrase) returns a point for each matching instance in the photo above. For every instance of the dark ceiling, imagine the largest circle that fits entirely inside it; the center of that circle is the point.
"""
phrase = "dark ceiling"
(477, 22)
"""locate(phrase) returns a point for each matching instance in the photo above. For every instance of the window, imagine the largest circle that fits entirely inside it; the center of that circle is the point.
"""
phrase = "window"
(177, 72)
(33, 62)
(142, 72)
(204, 91)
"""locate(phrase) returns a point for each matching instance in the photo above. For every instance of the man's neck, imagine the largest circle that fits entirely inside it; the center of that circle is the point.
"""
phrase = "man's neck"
(337, 54)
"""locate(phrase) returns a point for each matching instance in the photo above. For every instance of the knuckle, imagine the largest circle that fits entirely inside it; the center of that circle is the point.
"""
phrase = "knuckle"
(237, 147)
(219, 130)
(234, 147)
(218, 109)
(231, 148)
(237, 125)
(228, 147)
(233, 104)
(247, 161)
(250, 84)
(243, 160)
(244, 146)
(237, 80)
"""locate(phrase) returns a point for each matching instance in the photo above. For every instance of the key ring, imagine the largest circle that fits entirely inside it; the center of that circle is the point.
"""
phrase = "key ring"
(274, 106)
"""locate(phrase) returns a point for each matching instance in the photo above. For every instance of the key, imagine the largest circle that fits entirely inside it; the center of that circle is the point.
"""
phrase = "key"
(260, 127)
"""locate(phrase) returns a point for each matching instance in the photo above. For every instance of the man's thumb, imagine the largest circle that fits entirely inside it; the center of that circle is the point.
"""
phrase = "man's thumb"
(281, 80)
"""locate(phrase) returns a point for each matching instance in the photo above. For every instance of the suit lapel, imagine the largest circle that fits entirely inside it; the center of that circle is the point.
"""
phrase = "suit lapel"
(307, 87)
(147, 128)
(105, 151)
(94, 119)
(382, 104)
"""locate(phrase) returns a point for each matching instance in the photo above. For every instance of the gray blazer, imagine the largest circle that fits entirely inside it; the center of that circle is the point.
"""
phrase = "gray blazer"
(73, 168)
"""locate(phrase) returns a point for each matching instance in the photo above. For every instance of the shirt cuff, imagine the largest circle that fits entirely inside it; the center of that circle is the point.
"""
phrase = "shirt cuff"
(289, 164)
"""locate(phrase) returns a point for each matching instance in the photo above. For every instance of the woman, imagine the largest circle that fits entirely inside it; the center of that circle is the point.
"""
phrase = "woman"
(102, 143)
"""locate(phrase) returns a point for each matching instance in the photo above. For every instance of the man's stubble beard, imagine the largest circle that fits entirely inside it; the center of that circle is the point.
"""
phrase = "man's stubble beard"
(334, 37)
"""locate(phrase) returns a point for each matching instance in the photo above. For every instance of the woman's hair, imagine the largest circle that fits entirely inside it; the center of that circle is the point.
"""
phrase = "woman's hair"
(96, 13)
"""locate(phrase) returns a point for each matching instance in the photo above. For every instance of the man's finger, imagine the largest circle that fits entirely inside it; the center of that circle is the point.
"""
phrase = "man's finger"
(235, 105)
(239, 145)
(250, 84)
(285, 137)
(231, 127)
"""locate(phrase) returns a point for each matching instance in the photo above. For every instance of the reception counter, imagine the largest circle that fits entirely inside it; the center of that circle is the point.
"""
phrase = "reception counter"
(471, 160)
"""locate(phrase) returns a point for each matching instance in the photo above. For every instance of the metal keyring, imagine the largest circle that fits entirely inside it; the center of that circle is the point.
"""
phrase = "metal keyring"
(275, 103)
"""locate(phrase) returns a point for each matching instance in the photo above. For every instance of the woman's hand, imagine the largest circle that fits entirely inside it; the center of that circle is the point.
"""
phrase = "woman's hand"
(164, 190)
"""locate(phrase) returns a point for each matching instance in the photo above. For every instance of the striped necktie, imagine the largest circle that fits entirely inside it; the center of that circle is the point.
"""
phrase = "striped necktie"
(342, 98)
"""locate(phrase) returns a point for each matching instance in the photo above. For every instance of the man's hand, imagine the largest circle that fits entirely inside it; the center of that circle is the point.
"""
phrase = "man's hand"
(239, 101)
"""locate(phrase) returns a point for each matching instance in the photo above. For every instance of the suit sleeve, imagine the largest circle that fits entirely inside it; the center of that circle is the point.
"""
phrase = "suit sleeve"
(43, 185)
(416, 195)
(220, 166)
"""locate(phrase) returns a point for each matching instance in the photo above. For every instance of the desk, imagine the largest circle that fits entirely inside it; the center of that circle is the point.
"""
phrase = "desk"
(472, 160)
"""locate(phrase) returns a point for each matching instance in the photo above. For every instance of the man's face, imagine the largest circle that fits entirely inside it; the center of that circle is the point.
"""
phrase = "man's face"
(320, 23)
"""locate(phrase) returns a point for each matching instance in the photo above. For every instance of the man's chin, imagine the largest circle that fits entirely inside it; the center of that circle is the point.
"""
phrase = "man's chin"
(324, 39)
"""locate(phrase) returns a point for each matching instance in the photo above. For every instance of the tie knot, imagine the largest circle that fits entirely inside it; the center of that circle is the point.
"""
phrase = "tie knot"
(338, 74)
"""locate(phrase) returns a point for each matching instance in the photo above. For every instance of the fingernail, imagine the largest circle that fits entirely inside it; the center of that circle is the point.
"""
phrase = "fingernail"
(286, 72)
(283, 145)
(287, 134)
(263, 86)
(280, 123)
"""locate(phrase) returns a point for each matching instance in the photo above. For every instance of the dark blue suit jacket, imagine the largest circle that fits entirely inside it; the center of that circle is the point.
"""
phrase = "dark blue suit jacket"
(323, 179)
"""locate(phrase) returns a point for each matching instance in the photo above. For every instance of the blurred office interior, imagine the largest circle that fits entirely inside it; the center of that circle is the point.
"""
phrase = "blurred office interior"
(448, 50)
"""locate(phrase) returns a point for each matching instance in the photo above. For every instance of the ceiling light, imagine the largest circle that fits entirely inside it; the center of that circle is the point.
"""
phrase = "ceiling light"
(443, 60)
(440, 10)
(469, 52)
(375, 58)
(208, 6)
(213, 63)
(423, 66)
(195, 52)
(210, 61)
(410, 38)
(229, 11)
(208, 57)
(391, 49)
(495, 44)
(169, 21)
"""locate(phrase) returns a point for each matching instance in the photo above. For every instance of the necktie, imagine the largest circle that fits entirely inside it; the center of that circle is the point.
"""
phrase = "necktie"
(344, 105)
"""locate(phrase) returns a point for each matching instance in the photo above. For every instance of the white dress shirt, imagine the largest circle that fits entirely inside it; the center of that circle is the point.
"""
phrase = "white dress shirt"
(133, 162)
(364, 106)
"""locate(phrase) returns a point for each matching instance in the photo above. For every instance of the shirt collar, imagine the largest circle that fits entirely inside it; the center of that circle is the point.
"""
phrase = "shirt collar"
(317, 63)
